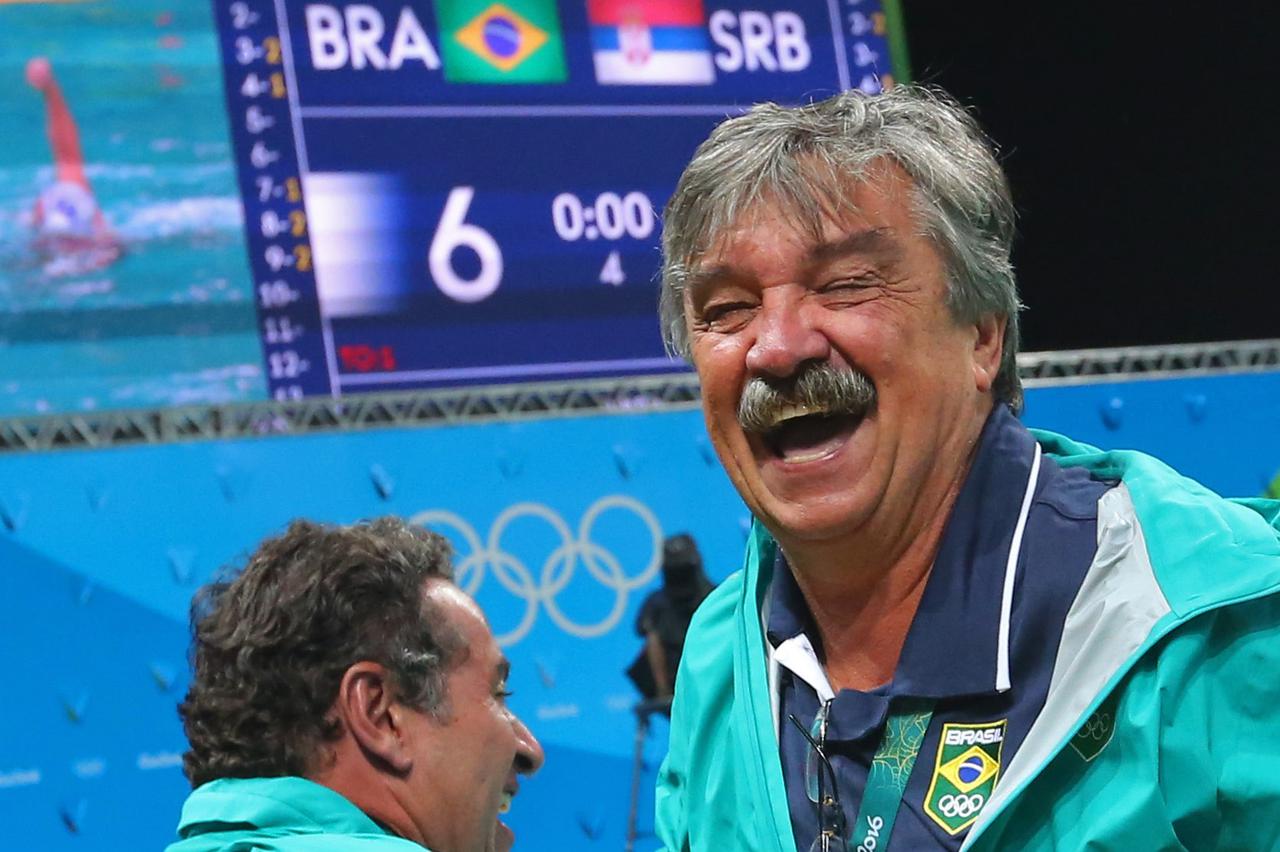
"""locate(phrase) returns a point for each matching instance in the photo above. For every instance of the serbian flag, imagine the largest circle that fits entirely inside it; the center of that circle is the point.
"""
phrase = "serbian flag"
(650, 42)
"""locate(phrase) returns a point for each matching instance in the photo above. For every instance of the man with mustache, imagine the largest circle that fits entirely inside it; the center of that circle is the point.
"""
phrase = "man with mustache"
(348, 696)
(951, 632)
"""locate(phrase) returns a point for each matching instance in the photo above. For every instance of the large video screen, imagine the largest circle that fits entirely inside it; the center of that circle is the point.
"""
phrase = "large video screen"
(124, 278)
(321, 198)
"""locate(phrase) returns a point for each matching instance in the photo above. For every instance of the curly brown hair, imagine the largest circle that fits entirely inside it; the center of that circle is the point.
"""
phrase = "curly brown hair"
(270, 643)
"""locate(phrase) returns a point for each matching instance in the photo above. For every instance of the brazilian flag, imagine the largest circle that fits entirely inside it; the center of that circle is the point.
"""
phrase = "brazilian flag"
(515, 41)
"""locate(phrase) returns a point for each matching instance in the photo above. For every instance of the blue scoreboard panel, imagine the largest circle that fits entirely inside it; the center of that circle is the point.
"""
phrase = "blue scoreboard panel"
(468, 192)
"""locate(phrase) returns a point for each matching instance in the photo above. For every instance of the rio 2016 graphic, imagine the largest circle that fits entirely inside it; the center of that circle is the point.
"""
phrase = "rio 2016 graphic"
(538, 587)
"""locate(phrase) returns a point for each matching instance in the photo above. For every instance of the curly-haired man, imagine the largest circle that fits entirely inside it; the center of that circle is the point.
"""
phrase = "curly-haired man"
(346, 694)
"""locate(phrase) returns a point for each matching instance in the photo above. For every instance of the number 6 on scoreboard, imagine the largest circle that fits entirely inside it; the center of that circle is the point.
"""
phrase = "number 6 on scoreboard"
(453, 232)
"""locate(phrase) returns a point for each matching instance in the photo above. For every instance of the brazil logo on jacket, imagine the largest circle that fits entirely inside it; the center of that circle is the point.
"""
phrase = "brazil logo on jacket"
(964, 773)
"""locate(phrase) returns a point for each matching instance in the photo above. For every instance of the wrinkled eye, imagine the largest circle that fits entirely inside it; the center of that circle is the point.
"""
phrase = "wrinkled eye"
(725, 316)
(850, 284)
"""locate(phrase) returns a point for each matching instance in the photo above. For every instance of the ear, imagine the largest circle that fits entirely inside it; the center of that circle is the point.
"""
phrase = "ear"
(367, 708)
(988, 347)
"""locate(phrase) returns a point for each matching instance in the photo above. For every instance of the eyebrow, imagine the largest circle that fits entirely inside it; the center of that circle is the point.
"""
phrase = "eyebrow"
(503, 669)
(877, 242)
(704, 278)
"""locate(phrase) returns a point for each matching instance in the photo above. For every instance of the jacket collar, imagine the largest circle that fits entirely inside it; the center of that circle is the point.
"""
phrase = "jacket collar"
(290, 804)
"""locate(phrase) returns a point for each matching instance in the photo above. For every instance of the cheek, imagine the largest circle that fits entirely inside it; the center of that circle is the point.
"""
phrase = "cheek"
(720, 378)
(720, 414)
(862, 329)
(721, 352)
(879, 342)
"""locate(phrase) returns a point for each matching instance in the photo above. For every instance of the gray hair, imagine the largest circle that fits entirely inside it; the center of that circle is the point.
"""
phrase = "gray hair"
(803, 159)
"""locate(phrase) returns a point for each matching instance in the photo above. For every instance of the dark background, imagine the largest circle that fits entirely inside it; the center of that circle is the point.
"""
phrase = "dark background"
(1141, 144)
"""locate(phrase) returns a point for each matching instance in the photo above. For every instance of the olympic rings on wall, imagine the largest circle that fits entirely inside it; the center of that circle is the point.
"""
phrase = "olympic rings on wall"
(558, 569)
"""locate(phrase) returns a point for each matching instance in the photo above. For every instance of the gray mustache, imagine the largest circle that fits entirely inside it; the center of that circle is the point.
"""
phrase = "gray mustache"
(819, 386)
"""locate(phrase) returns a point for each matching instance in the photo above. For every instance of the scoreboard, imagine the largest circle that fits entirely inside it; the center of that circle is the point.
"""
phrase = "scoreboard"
(468, 192)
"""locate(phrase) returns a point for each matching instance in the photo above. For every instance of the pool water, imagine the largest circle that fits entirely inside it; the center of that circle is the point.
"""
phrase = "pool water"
(172, 320)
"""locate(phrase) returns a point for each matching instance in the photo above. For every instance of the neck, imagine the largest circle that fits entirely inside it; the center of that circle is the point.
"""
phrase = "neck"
(863, 616)
(863, 589)
(369, 791)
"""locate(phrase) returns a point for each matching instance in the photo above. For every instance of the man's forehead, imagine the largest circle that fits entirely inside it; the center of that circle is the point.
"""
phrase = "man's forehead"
(873, 239)
(857, 215)
(459, 610)
(443, 591)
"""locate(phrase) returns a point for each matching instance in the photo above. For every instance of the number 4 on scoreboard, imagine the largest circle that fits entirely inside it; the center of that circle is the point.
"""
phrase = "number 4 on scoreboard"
(611, 272)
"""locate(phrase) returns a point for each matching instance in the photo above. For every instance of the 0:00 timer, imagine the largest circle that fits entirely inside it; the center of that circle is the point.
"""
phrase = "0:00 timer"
(610, 216)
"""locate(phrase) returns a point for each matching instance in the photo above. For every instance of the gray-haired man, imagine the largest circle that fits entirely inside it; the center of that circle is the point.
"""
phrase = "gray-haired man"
(951, 632)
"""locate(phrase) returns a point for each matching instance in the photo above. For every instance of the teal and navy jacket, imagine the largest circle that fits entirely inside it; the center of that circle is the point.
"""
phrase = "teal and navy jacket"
(1172, 645)
(279, 814)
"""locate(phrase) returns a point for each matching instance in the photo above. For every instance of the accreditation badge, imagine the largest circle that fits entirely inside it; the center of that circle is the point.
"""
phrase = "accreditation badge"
(964, 773)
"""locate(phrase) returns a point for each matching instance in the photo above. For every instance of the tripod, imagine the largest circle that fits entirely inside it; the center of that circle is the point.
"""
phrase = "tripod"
(643, 710)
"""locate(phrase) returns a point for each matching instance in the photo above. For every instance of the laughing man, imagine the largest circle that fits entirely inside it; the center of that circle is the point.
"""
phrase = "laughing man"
(951, 631)
(348, 696)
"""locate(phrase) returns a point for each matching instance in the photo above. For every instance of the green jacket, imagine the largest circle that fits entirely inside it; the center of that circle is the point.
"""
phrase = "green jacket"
(284, 814)
(1174, 635)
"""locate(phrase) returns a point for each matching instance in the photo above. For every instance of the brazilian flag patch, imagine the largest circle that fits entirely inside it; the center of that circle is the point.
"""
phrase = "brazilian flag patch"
(964, 774)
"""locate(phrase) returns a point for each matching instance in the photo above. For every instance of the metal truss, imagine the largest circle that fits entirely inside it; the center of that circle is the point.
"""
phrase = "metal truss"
(353, 413)
(530, 401)
(1079, 366)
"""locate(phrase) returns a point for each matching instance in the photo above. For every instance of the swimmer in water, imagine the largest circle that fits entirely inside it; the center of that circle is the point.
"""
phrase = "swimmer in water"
(69, 223)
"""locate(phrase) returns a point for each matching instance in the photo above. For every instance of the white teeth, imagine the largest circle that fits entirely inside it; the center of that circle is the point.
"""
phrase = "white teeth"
(791, 412)
(806, 457)
(505, 806)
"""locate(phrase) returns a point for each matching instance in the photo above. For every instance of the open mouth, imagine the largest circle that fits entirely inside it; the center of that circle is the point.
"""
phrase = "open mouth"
(799, 435)
(503, 838)
(503, 835)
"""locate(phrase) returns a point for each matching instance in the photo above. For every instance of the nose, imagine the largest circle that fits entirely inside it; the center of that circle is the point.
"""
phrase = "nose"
(785, 339)
(529, 754)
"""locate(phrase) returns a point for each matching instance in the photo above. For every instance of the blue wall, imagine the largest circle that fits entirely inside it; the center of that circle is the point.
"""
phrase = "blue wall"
(556, 523)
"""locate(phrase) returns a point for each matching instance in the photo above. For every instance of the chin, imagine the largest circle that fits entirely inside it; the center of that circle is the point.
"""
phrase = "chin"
(813, 527)
(828, 509)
